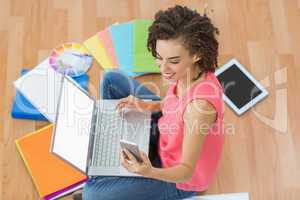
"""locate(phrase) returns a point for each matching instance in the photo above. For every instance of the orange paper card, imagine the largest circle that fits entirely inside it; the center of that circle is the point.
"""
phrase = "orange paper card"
(48, 172)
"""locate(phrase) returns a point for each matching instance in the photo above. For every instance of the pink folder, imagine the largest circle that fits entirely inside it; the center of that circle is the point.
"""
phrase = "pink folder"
(105, 37)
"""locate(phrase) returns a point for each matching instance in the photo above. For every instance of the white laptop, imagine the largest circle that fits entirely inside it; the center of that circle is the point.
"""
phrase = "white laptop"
(241, 90)
(87, 132)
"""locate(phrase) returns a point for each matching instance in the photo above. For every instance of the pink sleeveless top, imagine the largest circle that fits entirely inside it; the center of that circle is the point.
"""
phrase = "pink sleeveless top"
(171, 127)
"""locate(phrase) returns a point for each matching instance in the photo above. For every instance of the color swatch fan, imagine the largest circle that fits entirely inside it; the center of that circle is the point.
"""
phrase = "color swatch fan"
(71, 58)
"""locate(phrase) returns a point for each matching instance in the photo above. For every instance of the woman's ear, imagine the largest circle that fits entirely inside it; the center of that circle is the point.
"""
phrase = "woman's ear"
(196, 58)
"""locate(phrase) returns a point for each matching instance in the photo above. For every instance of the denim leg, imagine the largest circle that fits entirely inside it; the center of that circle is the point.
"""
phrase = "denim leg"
(131, 188)
(117, 85)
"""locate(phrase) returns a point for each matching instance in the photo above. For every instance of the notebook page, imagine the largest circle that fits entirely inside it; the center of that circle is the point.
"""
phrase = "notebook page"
(228, 196)
(41, 87)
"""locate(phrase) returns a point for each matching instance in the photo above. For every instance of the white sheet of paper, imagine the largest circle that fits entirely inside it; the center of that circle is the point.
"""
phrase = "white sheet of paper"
(73, 125)
(229, 196)
(41, 87)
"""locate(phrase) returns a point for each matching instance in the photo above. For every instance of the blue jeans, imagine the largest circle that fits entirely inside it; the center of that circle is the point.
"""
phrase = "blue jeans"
(116, 85)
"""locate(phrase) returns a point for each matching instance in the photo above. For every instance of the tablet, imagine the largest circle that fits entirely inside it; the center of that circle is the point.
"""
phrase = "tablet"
(241, 90)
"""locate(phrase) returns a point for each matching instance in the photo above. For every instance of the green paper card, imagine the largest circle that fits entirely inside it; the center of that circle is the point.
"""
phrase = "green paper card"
(143, 61)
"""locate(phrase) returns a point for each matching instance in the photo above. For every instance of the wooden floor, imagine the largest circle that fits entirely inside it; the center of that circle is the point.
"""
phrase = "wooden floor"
(262, 150)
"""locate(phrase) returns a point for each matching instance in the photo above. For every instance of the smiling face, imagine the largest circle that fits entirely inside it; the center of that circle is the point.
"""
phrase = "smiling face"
(174, 61)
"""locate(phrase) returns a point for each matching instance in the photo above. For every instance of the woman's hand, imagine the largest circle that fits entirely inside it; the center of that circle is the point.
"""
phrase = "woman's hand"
(131, 102)
(132, 165)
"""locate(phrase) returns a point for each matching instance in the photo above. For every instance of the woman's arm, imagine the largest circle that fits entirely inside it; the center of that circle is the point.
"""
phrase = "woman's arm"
(198, 118)
(134, 102)
(152, 105)
(176, 174)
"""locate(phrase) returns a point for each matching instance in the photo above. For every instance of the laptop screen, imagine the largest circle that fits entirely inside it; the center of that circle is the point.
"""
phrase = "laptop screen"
(237, 86)
(73, 123)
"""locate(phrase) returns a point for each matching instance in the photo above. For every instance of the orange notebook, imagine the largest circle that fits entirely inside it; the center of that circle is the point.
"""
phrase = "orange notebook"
(49, 173)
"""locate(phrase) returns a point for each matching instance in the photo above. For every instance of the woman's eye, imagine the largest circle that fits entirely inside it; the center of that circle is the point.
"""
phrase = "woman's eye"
(158, 63)
(174, 62)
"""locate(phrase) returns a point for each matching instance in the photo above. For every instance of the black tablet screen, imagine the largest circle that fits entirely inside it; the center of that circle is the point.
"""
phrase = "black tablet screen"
(237, 86)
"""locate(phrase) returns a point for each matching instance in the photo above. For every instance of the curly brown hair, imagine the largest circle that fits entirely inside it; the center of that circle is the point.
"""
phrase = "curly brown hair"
(196, 31)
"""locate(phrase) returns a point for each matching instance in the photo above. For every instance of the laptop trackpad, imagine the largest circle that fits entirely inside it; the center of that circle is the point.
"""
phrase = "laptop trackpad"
(137, 126)
(98, 171)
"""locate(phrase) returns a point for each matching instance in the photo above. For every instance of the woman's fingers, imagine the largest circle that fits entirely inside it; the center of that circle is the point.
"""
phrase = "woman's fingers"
(127, 164)
(120, 106)
(127, 102)
(121, 101)
(124, 101)
(130, 156)
(144, 157)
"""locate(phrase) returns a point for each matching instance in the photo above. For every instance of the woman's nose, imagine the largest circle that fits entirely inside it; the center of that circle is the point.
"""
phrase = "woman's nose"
(164, 67)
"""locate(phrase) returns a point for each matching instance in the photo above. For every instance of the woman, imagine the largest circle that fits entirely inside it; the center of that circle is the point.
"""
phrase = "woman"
(186, 136)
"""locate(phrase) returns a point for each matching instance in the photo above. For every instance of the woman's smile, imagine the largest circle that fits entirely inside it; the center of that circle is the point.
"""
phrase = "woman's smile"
(168, 75)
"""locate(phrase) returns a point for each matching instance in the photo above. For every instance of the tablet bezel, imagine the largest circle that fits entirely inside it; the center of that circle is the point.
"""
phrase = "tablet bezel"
(252, 102)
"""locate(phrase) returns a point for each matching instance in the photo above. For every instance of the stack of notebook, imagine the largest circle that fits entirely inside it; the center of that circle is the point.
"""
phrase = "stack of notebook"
(123, 47)
(23, 109)
(52, 176)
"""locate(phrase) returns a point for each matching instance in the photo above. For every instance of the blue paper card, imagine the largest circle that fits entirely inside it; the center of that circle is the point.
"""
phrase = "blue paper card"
(122, 37)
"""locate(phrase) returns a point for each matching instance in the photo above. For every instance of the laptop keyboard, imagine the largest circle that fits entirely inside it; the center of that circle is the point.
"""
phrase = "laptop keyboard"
(107, 138)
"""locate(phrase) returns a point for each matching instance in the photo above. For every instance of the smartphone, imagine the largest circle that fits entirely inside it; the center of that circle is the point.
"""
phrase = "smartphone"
(132, 148)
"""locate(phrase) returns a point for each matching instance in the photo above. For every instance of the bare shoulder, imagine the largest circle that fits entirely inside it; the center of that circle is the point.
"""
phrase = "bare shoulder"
(200, 110)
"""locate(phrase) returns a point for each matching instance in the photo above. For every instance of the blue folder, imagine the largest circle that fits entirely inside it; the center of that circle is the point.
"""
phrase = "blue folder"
(23, 109)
